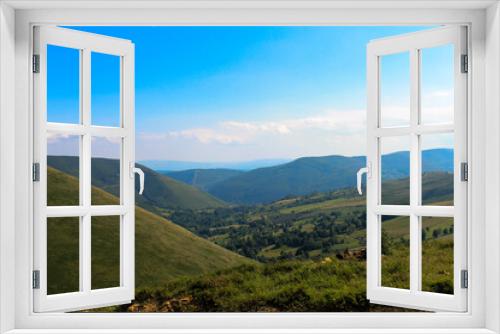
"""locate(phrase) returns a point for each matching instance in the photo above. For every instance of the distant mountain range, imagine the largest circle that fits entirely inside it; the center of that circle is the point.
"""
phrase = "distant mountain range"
(303, 176)
(203, 179)
(208, 188)
(174, 165)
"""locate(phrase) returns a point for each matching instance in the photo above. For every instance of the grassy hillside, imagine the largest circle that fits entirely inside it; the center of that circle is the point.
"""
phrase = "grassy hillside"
(436, 187)
(317, 174)
(163, 250)
(160, 191)
(437, 265)
(323, 285)
(202, 178)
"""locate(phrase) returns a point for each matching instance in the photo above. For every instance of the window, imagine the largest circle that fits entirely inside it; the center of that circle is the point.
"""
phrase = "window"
(69, 213)
(418, 122)
(88, 141)
(482, 73)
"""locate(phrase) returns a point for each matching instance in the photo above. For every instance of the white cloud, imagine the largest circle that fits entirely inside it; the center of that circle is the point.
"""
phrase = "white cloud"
(330, 132)
(206, 136)
(231, 132)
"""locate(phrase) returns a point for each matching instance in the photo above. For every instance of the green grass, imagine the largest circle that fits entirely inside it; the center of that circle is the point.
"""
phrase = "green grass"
(437, 266)
(164, 251)
(326, 285)
(307, 286)
(397, 228)
(105, 252)
(326, 205)
(272, 252)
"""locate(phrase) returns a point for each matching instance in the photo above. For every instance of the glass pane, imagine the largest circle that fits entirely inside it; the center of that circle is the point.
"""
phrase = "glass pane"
(437, 254)
(63, 255)
(105, 252)
(396, 251)
(437, 169)
(105, 89)
(436, 84)
(395, 169)
(63, 170)
(106, 153)
(63, 84)
(395, 90)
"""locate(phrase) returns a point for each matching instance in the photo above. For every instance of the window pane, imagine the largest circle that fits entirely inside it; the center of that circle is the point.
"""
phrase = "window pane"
(437, 169)
(436, 84)
(396, 251)
(395, 90)
(437, 254)
(105, 252)
(395, 169)
(63, 84)
(63, 170)
(106, 153)
(105, 89)
(63, 255)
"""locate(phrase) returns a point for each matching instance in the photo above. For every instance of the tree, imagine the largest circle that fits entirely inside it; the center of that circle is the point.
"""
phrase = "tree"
(387, 243)
(436, 233)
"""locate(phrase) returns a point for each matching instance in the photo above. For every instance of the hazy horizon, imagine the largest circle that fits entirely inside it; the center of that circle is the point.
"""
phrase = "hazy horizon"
(256, 93)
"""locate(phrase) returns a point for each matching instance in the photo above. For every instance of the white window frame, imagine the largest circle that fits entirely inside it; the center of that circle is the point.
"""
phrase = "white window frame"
(16, 20)
(412, 44)
(85, 44)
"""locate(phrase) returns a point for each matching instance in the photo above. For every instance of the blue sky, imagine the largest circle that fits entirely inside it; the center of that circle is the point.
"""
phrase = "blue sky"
(243, 93)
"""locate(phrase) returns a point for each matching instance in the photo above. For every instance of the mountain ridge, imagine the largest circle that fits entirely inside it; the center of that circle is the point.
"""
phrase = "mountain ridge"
(318, 174)
(177, 165)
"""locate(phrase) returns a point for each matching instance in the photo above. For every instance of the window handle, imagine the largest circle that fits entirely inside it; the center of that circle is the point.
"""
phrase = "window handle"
(361, 171)
(134, 170)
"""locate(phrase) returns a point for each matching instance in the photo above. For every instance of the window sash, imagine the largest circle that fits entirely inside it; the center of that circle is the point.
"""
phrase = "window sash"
(85, 298)
(414, 297)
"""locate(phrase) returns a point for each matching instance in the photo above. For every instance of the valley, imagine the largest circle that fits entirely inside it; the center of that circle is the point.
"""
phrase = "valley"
(299, 253)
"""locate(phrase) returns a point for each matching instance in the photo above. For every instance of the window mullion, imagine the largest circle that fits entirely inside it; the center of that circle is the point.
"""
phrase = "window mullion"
(415, 174)
(86, 186)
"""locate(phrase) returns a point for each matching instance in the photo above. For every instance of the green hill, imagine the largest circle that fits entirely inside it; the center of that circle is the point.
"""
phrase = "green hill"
(160, 191)
(163, 250)
(436, 187)
(318, 174)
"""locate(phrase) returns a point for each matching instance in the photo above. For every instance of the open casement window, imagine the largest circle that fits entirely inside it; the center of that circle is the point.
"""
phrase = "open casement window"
(403, 81)
(83, 117)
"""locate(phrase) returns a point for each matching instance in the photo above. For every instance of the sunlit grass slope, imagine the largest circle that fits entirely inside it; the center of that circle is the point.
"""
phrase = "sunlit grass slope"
(437, 265)
(163, 250)
(324, 285)
(327, 285)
